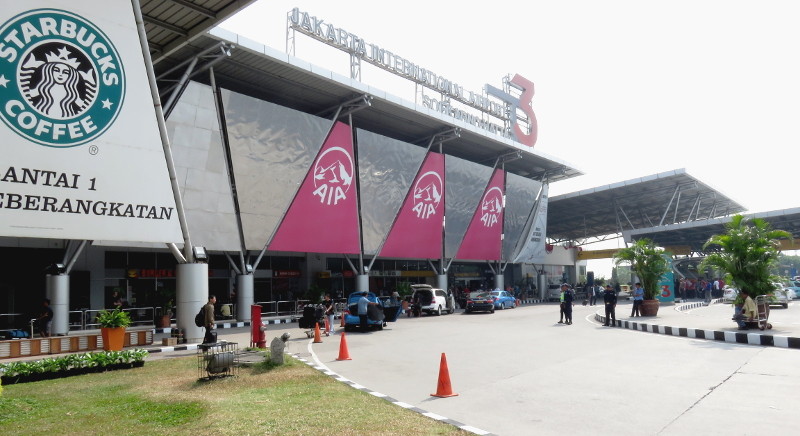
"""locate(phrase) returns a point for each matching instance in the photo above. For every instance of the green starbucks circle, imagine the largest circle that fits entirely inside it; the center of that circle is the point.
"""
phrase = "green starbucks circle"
(62, 82)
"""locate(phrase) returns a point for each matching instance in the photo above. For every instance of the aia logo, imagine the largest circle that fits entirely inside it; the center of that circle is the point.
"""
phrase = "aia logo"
(491, 207)
(333, 175)
(427, 194)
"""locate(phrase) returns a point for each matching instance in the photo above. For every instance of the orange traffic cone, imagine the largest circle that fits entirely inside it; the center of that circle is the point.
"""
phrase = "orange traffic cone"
(343, 353)
(443, 388)
(317, 339)
(342, 325)
(327, 327)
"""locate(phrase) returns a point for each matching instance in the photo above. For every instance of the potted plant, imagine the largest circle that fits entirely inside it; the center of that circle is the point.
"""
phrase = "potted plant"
(649, 263)
(112, 328)
(165, 299)
(747, 252)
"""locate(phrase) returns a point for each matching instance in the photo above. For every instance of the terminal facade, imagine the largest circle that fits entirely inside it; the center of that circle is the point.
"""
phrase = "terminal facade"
(306, 184)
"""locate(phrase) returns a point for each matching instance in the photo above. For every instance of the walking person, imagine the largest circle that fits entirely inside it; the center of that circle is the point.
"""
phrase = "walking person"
(638, 298)
(330, 310)
(45, 320)
(568, 301)
(209, 321)
(610, 300)
(593, 291)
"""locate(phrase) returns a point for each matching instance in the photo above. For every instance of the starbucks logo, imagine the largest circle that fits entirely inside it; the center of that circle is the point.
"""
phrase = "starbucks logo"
(61, 79)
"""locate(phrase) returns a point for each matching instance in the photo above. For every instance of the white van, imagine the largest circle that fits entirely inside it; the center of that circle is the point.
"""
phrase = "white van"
(433, 300)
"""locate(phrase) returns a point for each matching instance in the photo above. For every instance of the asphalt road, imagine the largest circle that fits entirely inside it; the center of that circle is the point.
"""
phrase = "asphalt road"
(518, 372)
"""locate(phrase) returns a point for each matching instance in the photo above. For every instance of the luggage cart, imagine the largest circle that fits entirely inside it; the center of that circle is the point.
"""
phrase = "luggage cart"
(762, 321)
(313, 314)
(220, 359)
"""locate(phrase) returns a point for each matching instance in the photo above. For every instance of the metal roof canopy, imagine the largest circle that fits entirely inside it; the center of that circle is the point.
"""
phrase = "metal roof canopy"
(171, 24)
(269, 74)
(695, 234)
(647, 202)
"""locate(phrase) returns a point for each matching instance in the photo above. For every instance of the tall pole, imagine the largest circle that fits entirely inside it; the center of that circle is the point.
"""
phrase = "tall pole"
(162, 130)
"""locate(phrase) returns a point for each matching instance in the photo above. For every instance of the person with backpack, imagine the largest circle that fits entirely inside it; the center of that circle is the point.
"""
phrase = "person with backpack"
(208, 320)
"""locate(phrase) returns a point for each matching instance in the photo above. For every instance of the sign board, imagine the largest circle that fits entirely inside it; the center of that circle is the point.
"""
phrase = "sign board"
(502, 106)
(667, 284)
(82, 155)
(534, 249)
(485, 233)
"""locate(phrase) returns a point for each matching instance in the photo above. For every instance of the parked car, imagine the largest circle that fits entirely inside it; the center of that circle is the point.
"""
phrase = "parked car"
(792, 286)
(480, 302)
(378, 315)
(729, 293)
(779, 297)
(432, 300)
(554, 292)
(503, 300)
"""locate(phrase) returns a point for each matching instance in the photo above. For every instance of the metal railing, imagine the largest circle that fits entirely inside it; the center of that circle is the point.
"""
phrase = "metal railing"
(10, 320)
(87, 319)
(281, 308)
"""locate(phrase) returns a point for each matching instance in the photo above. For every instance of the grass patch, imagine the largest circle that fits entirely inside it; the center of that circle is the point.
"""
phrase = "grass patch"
(164, 397)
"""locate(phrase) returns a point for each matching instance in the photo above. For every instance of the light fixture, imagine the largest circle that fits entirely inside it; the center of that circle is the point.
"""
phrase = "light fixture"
(248, 268)
(200, 254)
(56, 269)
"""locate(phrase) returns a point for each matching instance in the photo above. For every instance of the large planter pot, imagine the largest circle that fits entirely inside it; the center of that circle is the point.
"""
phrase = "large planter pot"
(649, 307)
(113, 338)
(163, 321)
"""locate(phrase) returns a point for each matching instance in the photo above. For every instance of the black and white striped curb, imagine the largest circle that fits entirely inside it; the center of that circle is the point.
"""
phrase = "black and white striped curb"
(713, 335)
(172, 348)
(325, 370)
(229, 325)
(695, 305)
(532, 301)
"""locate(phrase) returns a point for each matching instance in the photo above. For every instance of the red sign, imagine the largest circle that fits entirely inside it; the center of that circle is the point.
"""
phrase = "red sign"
(323, 217)
(484, 237)
(284, 273)
(417, 231)
(156, 273)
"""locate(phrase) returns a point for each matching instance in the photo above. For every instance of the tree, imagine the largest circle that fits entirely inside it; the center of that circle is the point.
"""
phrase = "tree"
(647, 262)
(748, 250)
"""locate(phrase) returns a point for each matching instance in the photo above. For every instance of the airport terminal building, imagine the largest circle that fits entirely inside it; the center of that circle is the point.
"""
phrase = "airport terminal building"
(290, 176)
(262, 177)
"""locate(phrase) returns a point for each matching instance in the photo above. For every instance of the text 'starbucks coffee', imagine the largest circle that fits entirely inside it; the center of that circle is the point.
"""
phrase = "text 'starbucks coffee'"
(62, 82)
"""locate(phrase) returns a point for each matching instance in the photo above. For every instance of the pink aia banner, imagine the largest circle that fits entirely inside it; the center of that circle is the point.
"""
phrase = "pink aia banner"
(323, 217)
(417, 231)
(483, 240)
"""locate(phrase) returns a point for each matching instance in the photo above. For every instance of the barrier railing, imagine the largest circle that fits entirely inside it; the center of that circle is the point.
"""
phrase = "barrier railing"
(146, 316)
(140, 316)
(11, 320)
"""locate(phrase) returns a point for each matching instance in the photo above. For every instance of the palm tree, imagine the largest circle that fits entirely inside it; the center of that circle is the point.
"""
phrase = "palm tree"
(748, 251)
(648, 262)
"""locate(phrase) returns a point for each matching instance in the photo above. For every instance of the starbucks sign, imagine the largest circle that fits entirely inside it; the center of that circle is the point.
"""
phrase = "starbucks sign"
(82, 154)
(62, 83)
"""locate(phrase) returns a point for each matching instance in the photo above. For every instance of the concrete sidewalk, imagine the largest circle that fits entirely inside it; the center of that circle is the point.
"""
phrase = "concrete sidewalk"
(713, 322)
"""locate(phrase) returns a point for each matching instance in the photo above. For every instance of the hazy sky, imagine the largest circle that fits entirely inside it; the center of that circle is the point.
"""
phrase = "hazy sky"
(624, 89)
